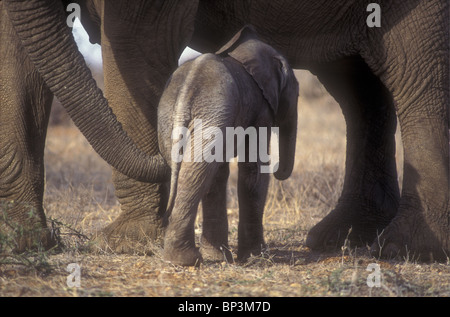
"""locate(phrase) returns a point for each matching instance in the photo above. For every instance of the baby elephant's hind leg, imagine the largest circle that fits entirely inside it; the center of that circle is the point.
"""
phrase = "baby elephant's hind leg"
(179, 242)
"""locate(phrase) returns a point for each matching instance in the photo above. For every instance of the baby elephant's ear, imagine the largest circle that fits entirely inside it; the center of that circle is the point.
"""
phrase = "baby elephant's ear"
(260, 60)
(244, 34)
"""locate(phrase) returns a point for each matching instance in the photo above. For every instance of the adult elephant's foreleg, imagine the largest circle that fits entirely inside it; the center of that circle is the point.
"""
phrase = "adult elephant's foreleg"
(140, 51)
(24, 111)
(370, 194)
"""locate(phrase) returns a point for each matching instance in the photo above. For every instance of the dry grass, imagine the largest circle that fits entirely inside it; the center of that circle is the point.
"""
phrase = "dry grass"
(79, 200)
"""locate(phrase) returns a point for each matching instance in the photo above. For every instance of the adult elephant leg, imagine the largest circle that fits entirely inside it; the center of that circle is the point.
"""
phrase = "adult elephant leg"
(416, 69)
(370, 194)
(141, 44)
(214, 241)
(25, 104)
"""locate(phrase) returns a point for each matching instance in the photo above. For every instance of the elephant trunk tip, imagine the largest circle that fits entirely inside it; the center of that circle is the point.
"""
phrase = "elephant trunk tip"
(282, 174)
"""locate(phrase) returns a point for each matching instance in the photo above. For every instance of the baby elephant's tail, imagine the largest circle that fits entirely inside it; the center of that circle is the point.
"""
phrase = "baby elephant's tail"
(182, 118)
(175, 166)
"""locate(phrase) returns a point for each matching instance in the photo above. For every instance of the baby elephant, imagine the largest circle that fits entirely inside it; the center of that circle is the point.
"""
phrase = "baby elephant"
(247, 87)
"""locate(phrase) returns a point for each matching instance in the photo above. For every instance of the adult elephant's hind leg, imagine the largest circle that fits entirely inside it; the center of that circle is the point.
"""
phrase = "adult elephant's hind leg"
(370, 194)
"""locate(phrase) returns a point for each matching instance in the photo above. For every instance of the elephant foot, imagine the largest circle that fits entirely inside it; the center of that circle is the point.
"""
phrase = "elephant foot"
(130, 236)
(410, 236)
(35, 240)
(215, 253)
(24, 229)
(189, 256)
(348, 223)
(214, 240)
(244, 253)
(250, 241)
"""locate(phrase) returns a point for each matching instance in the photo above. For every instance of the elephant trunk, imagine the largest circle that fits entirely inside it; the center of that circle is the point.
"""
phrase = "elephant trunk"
(44, 34)
(287, 122)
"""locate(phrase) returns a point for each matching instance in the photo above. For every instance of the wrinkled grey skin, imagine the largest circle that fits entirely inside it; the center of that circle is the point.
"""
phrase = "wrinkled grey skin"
(400, 70)
(246, 84)
(31, 53)
(141, 43)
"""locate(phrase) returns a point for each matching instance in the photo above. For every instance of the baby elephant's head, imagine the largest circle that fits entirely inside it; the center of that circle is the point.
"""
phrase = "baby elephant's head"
(277, 81)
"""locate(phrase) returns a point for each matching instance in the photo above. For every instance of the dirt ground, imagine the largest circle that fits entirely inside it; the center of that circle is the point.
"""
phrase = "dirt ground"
(79, 201)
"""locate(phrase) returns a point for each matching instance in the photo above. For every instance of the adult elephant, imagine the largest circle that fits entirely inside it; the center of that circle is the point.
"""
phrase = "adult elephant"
(400, 69)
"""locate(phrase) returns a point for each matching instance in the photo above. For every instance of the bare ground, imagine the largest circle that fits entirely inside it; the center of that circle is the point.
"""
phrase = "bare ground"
(79, 200)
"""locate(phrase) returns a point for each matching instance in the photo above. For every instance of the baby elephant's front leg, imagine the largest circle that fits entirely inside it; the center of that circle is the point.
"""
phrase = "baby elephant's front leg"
(252, 192)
